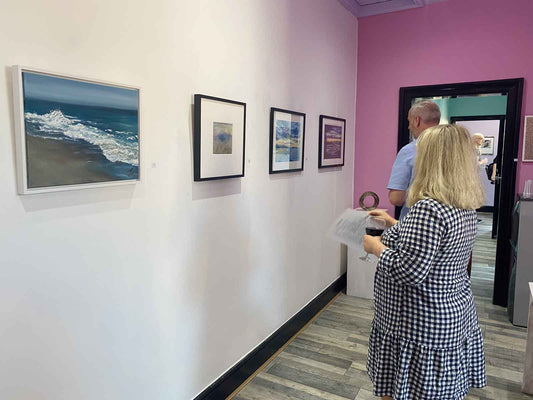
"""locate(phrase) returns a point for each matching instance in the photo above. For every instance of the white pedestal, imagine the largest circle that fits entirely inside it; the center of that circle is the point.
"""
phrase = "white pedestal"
(360, 275)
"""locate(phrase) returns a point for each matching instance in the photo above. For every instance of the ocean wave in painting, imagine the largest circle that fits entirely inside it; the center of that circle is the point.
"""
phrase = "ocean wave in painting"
(116, 146)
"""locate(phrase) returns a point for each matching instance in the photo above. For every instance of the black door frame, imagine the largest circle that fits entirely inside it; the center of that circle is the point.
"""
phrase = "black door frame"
(513, 88)
(501, 133)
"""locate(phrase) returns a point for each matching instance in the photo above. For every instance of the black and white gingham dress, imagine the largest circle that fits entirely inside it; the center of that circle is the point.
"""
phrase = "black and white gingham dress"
(425, 341)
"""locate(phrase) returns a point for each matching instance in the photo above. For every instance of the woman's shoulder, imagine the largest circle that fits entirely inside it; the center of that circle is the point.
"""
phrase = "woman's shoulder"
(428, 204)
(438, 209)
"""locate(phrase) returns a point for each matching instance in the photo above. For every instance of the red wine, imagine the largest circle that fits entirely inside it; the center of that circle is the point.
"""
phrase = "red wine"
(374, 231)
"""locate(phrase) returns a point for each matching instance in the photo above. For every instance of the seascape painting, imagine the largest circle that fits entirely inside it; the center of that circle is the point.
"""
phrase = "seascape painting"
(332, 141)
(288, 145)
(79, 132)
(222, 138)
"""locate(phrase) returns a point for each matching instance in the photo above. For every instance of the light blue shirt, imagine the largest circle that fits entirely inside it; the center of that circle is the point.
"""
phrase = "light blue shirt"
(402, 171)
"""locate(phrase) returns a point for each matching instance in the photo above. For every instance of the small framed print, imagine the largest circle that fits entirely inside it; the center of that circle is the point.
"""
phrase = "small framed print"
(287, 134)
(74, 132)
(331, 142)
(219, 138)
(527, 149)
(487, 147)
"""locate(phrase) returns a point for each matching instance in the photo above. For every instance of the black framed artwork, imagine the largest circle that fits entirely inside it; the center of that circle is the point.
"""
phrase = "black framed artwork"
(219, 138)
(287, 134)
(331, 142)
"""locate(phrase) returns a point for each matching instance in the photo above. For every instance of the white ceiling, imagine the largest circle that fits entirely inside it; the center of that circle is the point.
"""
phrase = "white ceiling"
(365, 8)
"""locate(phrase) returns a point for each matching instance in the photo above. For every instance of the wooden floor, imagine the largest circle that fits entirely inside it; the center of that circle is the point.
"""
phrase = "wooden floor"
(327, 360)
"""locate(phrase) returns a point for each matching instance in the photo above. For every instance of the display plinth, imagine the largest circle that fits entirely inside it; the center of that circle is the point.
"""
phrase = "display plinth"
(360, 275)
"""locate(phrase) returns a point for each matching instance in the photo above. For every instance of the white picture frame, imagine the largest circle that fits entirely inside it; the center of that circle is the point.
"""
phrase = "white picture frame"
(487, 147)
(74, 132)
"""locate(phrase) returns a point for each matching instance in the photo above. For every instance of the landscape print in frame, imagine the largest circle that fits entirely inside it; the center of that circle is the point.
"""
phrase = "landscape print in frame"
(74, 132)
(287, 134)
(331, 141)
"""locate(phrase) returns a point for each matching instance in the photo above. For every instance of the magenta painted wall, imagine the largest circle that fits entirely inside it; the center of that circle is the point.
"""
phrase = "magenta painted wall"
(452, 41)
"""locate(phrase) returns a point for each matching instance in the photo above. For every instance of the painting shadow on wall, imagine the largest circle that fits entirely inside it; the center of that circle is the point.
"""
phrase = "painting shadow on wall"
(330, 169)
(99, 199)
(9, 84)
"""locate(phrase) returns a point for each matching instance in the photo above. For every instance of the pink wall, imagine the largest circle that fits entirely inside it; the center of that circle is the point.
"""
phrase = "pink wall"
(452, 41)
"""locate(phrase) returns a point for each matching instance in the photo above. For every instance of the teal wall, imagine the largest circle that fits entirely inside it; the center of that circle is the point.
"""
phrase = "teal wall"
(467, 106)
(470, 106)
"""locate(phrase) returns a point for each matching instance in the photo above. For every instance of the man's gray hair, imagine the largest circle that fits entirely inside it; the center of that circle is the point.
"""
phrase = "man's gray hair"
(427, 110)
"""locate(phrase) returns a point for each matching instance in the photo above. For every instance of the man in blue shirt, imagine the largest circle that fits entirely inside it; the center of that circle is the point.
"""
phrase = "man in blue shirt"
(422, 115)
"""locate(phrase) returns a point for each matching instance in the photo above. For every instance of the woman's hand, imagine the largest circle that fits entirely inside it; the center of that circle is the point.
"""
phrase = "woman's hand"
(383, 214)
(373, 245)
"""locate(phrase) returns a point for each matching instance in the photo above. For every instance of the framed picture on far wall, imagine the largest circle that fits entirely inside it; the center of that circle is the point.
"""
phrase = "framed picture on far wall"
(487, 147)
(331, 142)
(219, 138)
(527, 146)
(74, 132)
(287, 133)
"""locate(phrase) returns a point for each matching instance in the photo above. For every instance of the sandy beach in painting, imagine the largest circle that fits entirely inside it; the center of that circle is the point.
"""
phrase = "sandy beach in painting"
(54, 163)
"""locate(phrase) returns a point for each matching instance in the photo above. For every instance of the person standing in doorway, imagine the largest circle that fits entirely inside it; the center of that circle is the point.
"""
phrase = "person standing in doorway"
(422, 115)
(477, 140)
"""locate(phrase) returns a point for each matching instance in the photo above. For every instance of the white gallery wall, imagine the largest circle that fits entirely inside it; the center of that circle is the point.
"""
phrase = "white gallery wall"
(152, 291)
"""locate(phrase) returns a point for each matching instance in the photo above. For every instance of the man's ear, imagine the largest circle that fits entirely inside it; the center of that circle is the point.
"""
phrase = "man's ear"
(418, 121)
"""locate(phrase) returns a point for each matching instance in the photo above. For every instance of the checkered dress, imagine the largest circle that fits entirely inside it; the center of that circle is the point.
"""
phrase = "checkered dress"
(425, 341)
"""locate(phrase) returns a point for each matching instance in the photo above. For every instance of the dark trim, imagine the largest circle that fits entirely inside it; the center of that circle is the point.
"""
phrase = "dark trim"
(320, 133)
(197, 136)
(231, 380)
(513, 88)
(476, 118)
(486, 209)
(274, 110)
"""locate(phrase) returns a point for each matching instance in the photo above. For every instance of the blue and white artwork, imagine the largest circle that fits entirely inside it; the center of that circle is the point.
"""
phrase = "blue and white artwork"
(79, 132)
(288, 143)
(222, 138)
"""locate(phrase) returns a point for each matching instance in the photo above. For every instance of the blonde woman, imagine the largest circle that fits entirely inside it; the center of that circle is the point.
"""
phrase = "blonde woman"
(425, 341)
(477, 141)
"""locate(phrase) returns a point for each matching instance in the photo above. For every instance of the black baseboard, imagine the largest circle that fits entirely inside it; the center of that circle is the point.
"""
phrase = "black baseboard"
(231, 380)
(486, 209)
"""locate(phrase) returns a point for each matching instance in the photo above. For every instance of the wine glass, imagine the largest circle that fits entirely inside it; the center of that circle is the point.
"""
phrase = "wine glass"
(374, 226)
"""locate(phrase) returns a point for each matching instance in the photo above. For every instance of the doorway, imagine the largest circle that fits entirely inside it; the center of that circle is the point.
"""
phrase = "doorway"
(493, 129)
(513, 89)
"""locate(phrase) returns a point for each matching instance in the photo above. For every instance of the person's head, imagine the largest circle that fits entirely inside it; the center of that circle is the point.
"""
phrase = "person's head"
(477, 139)
(422, 115)
(446, 169)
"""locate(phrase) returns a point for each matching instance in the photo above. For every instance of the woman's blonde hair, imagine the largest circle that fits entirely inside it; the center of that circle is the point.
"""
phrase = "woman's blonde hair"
(446, 169)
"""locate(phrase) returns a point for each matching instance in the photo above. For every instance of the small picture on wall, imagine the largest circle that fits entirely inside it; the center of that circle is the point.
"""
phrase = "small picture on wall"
(219, 133)
(487, 147)
(527, 147)
(74, 132)
(287, 131)
(222, 134)
(331, 141)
